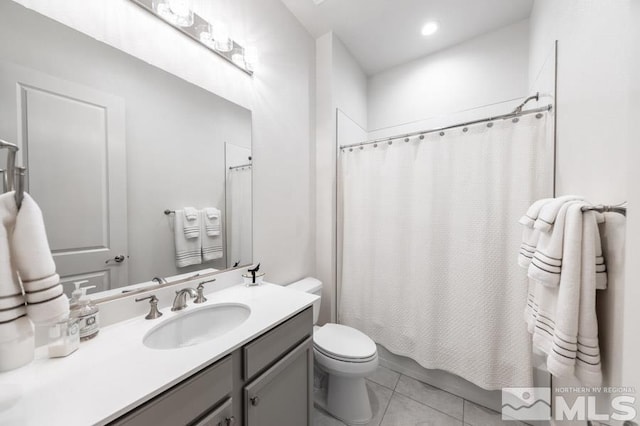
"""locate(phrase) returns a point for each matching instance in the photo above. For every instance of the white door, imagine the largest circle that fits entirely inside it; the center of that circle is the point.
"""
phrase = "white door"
(72, 141)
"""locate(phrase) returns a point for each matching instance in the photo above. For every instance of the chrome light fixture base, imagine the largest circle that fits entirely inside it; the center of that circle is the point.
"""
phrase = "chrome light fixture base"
(198, 29)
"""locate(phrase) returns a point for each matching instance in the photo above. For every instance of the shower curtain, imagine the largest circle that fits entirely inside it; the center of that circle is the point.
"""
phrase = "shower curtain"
(429, 246)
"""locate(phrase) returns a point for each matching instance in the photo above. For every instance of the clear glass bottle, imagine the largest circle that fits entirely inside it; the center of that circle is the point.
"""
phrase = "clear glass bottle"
(86, 312)
(64, 338)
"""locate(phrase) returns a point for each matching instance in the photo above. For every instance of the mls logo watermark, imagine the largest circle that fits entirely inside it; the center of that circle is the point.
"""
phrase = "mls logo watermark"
(570, 403)
(526, 404)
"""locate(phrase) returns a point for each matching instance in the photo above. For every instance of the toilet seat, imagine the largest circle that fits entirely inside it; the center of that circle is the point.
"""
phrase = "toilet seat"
(343, 343)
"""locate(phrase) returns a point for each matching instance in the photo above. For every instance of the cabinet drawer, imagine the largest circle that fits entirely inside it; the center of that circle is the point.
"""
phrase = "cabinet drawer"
(221, 416)
(265, 350)
(186, 401)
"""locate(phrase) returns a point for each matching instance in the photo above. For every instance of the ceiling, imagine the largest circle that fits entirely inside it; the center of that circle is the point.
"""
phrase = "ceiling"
(383, 33)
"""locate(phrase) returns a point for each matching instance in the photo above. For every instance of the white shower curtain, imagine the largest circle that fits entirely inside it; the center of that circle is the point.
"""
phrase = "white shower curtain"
(430, 239)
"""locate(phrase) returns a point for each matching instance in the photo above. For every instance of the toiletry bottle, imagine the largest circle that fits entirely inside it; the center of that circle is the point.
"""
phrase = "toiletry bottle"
(86, 312)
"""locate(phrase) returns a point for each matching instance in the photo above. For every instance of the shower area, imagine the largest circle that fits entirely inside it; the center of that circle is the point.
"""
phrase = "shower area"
(427, 238)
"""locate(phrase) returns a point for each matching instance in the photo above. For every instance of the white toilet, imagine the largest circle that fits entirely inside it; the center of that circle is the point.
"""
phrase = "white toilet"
(347, 356)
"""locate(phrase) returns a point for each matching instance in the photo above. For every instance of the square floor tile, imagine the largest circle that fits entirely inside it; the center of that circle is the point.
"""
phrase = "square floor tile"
(385, 377)
(403, 411)
(431, 396)
(476, 415)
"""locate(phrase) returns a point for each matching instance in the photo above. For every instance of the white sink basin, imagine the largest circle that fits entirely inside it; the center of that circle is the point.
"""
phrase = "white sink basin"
(197, 326)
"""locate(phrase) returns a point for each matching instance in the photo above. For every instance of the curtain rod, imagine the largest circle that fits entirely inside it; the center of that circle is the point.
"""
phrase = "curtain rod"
(240, 166)
(513, 114)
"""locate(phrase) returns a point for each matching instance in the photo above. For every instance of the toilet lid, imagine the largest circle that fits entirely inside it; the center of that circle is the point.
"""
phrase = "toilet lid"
(342, 342)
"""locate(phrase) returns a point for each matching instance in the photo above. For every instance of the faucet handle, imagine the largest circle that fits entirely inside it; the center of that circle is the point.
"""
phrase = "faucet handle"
(200, 298)
(153, 302)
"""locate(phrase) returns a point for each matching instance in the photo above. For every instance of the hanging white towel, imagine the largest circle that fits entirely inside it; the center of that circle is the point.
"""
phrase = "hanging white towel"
(528, 246)
(562, 319)
(12, 304)
(32, 258)
(212, 220)
(532, 213)
(588, 367)
(211, 244)
(601, 267)
(188, 250)
(550, 211)
(546, 263)
(191, 222)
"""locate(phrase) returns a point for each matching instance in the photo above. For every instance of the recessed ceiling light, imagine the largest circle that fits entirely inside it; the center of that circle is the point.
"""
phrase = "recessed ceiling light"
(429, 28)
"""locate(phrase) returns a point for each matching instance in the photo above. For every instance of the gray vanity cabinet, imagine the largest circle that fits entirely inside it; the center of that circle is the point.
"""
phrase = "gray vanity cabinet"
(282, 395)
(267, 382)
(189, 401)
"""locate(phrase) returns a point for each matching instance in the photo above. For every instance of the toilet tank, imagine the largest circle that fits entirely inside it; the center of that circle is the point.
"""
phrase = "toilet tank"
(313, 286)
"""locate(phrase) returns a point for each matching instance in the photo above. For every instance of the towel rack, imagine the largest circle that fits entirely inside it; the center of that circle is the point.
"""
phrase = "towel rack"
(13, 177)
(621, 209)
(168, 212)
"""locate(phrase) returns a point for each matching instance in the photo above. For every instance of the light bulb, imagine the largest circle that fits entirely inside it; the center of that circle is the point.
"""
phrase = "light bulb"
(429, 28)
(221, 38)
(250, 57)
(176, 12)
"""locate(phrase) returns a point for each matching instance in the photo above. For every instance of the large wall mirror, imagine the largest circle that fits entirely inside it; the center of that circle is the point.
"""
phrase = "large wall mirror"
(111, 142)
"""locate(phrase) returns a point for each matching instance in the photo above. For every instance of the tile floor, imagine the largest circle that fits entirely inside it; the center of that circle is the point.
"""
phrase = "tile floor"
(398, 400)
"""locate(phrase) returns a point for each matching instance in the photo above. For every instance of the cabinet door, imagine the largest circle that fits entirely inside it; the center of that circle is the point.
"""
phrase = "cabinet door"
(283, 395)
(221, 416)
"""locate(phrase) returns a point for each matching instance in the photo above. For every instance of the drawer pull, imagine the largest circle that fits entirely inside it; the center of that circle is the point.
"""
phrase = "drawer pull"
(255, 401)
(231, 421)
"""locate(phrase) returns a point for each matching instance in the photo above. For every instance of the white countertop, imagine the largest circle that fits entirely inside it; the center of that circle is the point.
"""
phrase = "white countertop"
(114, 372)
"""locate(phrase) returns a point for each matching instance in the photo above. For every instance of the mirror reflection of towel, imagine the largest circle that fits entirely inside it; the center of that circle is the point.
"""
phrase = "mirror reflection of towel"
(188, 249)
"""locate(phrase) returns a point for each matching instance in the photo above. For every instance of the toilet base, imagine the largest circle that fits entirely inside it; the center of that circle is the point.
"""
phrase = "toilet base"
(348, 400)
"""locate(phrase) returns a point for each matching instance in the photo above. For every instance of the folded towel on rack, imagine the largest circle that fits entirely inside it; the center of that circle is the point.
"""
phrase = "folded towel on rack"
(549, 211)
(46, 301)
(191, 222)
(212, 221)
(190, 213)
(188, 249)
(532, 213)
(211, 235)
(562, 318)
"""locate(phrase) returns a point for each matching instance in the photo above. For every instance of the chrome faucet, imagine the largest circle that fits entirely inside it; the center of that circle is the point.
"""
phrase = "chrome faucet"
(180, 302)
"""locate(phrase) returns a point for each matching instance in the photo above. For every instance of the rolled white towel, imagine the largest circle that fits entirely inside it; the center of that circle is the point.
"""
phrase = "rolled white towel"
(549, 212)
(532, 213)
(46, 301)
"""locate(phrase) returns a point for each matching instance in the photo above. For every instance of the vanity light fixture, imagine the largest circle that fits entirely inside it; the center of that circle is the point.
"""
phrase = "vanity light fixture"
(176, 12)
(430, 28)
(215, 35)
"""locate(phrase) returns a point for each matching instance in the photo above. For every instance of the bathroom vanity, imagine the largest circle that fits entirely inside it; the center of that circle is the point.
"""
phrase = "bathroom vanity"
(266, 382)
(258, 373)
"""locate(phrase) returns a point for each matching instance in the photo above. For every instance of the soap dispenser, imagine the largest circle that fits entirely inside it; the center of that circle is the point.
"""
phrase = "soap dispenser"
(85, 311)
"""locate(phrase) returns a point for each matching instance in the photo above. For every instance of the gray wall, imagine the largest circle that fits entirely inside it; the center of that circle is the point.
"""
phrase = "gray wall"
(175, 130)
